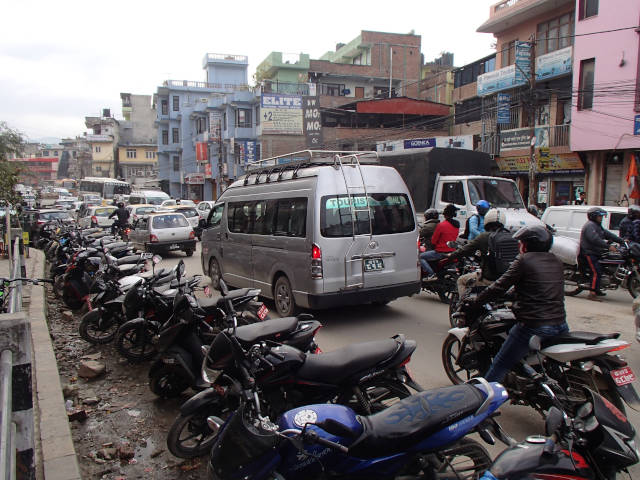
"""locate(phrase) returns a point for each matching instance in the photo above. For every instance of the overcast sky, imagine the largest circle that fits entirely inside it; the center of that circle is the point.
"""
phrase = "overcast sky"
(62, 61)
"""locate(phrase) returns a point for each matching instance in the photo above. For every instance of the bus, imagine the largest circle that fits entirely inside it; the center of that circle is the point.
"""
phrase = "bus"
(105, 187)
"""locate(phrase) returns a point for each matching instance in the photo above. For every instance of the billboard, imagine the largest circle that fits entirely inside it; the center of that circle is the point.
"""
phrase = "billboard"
(504, 108)
(554, 64)
(312, 122)
(215, 126)
(520, 138)
(247, 151)
(281, 114)
(202, 152)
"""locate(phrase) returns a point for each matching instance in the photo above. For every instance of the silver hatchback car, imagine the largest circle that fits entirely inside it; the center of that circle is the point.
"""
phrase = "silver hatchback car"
(163, 232)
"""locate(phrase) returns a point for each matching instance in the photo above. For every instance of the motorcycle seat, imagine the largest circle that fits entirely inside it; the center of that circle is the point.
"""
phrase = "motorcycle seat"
(128, 268)
(267, 330)
(338, 365)
(128, 259)
(232, 295)
(589, 338)
(410, 420)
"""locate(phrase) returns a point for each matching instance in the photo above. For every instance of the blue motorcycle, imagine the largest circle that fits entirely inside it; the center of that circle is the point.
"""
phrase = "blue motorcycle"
(422, 436)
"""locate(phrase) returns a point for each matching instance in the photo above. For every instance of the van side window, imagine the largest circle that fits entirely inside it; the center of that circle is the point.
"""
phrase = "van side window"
(238, 217)
(215, 216)
(452, 192)
(291, 217)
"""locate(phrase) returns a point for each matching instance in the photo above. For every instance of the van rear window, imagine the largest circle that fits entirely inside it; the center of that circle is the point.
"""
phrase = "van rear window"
(388, 212)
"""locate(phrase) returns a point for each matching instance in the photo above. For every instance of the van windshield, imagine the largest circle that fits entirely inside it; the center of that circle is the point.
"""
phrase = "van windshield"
(389, 213)
(499, 193)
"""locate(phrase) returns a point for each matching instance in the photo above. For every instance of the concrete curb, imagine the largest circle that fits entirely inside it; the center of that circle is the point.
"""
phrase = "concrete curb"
(55, 454)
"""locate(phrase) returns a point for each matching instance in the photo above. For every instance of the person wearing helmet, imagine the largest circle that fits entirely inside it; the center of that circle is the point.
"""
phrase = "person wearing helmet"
(628, 224)
(494, 242)
(538, 280)
(123, 217)
(476, 222)
(445, 231)
(593, 244)
(431, 221)
(533, 210)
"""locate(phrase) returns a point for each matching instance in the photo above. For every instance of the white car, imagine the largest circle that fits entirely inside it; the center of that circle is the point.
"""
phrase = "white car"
(96, 217)
(189, 212)
(204, 208)
(163, 232)
(141, 210)
(568, 220)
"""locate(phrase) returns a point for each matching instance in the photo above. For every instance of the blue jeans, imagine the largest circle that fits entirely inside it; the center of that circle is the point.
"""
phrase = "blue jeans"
(430, 255)
(516, 347)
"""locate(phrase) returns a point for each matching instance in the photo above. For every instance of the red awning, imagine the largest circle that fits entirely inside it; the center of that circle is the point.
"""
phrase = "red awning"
(403, 105)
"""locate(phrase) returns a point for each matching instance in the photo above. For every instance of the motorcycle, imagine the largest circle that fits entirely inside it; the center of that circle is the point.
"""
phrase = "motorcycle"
(367, 376)
(596, 442)
(575, 360)
(620, 269)
(420, 436)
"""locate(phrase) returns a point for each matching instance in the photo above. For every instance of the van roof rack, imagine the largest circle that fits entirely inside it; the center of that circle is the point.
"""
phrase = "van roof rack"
(304, 158)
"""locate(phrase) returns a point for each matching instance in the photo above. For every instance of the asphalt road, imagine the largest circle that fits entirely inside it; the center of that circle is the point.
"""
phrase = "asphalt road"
(424, 319)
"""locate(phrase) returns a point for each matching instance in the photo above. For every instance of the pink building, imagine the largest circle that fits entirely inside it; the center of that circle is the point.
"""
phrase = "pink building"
(606, 99)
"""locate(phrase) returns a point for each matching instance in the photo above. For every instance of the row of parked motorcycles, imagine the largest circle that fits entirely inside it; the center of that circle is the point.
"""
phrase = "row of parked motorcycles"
(269, 404)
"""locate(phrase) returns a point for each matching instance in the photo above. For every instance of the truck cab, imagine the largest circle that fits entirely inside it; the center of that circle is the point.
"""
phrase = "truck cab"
(464, 191)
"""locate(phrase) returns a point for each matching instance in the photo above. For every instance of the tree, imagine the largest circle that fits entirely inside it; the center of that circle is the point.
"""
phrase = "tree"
(11, 143)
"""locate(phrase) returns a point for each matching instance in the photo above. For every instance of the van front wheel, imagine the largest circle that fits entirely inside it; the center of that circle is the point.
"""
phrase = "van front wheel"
(214, 274)
(285, 304)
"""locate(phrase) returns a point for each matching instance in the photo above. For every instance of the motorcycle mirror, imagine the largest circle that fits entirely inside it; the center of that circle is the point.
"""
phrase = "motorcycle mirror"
(156, 259)
(207, 291)
(535, 344)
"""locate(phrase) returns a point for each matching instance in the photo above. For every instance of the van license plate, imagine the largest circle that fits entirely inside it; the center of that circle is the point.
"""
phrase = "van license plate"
(174, 246)
(373, 264)
(623, 376)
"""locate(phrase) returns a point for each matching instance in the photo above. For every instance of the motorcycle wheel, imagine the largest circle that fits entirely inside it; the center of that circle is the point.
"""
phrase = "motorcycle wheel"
(453, 306)
(466, 459)
(98, 326)
(58, 286)
(450, 352)
(190, 435)
(571, 281)
(634, 284)
(134, 342)
(167, 381)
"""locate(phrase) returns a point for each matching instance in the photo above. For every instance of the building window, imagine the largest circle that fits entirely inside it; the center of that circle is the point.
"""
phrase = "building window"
(98, 168)
(585, 93)
(176, 103)
(165, 107)
(244, 118)
(332, 89)
(151, 155)
(165, 137)
(201, 125)
(176, 163)
(55, 153)
(97, 149)
(175, 135)
(131, 153)
(508, 53)
(45, 153)
(588, 8)
(555, 34)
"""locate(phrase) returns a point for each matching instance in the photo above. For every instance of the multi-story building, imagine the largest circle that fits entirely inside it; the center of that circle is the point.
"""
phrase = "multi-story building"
(103, 142)
(77, 153)
(606, 101)
(138, 140)
(37, 170)
(437, 80)
(525, 103)
(206, 130)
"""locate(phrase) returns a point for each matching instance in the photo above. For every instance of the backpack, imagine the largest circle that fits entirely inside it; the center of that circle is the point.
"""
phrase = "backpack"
(503, 249)
(466, 232)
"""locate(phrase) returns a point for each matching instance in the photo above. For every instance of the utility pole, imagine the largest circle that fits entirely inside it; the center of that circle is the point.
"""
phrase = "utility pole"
(532, 122)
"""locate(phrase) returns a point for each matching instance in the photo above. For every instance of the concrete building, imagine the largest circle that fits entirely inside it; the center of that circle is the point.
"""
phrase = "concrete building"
(103, 142)
(79, 158)
(206, 130)
(528, 98)
(138, 140)
(437, 80)
(37, 171)
(606, 101)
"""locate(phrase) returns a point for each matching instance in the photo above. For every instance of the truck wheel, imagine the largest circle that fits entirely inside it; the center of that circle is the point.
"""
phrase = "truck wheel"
(283, 296)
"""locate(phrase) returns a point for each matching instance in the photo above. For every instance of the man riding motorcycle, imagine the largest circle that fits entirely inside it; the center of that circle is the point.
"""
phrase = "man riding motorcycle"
(593, 244)
(630, 225)
(477, 222)
(123, 217)
(431, 221)
(445, 231)
(538, 278)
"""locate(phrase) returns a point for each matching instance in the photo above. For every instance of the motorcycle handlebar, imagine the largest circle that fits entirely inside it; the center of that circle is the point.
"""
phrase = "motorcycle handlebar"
(313, 437)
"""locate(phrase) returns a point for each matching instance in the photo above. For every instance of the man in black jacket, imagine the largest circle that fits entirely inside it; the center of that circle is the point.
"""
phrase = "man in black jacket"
(431, 221)
(123, 217)
(593, 244)
(538, 278)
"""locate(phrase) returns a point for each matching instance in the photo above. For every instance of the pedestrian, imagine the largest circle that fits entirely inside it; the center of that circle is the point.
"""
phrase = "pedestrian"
(582, 200)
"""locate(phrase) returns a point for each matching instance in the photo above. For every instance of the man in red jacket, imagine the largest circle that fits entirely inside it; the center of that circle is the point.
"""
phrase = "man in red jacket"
(445, 231)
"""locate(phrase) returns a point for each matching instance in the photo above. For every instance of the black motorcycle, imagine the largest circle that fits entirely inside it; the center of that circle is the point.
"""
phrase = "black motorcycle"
(620, 269)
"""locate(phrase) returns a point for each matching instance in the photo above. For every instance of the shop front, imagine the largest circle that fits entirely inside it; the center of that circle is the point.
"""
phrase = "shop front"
(194, 183)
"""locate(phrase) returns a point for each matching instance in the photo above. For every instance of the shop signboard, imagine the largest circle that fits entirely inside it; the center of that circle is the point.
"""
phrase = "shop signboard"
(202, 152)
(554, 64)
(461, 141)
(194, 179)
(207, 170)
(420, 143)
(515, 139)
(546, 163)
(497, 80)
(504, 108)
(636, 125)
(248, 151)
(513, 164)
(281, 114)
(523, 63)
(215, 123)
(312, 122)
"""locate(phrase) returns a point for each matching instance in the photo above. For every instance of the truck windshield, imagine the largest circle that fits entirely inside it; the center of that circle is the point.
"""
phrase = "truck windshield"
(499, 193)
(390, 213)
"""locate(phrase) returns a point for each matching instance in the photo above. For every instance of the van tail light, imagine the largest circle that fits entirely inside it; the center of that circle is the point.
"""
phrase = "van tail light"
(153, 238)
(192, 235)
(94, 219)
(316, 262)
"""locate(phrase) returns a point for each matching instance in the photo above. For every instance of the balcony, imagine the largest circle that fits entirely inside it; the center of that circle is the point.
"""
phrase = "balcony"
(220, 87)
(559, 136)
(509, 13)
(224, 58)
(285, 87)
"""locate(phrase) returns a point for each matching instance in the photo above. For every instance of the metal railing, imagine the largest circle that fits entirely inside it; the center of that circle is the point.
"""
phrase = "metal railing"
(559, 136)
(8, 432)
(15, 289)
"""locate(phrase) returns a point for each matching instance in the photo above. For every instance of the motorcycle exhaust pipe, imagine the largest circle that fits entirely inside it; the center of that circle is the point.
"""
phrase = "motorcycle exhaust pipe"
(214, 423)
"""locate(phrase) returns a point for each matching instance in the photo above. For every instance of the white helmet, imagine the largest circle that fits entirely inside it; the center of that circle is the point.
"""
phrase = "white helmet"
(495, 216)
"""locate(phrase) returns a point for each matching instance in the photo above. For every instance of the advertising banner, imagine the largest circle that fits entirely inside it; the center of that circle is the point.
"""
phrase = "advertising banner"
(312, 122)
(554, 64)
(420, 143)
(504, 108)
(515, 139)
(194, 179)
(202, 152)
(461, 141)
(497, 80)
(207, 170)
(545, 164)
(248, 151)
(523, 63)
(281, 114)
(215, 124)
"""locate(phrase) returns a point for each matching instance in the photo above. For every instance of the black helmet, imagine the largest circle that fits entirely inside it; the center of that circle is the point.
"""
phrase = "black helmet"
(120, 205)
(533, 210)
(594, 212)
(450, 211)
(536, 238)
(634, 211)
(431, 213)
